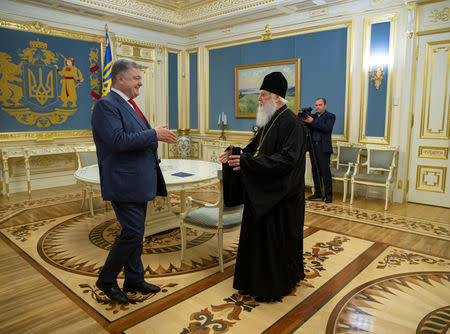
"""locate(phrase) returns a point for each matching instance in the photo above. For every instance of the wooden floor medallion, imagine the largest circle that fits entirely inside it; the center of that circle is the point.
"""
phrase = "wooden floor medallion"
(397, 302)
(80, 245)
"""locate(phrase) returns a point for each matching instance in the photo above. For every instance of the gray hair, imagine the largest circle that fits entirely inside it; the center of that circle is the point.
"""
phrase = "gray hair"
(122, 66)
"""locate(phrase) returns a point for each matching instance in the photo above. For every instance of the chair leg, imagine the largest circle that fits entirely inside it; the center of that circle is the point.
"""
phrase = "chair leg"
(352, 192)
(387, 198)
(344, 197)
(220, 244)
(183, 240)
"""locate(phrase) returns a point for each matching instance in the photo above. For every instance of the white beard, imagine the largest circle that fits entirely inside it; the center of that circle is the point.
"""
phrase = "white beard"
(265, 113)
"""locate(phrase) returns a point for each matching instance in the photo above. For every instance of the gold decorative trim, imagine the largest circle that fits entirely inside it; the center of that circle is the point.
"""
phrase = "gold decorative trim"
(419, 19)
(133, 42)
(433, 152)
(421, 179)
(178, 53)
(368, 22)
(43, 135)
(426, 105)
(188, 90)
(437, 14)
(70, 157)
(40, 28)
(433, 32)
(348, 93)
(285, 33)
(178, 18)
(267, 36)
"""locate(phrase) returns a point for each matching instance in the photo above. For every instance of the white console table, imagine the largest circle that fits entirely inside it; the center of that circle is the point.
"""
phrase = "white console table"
(27, 152)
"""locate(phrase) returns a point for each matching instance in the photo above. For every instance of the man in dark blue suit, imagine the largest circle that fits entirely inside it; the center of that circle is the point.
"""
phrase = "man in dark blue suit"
(321, 126)
(129, 176)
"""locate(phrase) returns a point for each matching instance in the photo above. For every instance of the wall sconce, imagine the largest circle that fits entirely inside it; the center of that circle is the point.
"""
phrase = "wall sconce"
(376, 74)
(376, 69)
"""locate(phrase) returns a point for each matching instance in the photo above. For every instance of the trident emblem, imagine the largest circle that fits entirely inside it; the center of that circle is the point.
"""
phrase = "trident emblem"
(37, 89)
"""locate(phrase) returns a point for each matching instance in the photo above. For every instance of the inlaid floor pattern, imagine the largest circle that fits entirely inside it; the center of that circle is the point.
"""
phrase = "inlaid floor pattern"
(359, 273)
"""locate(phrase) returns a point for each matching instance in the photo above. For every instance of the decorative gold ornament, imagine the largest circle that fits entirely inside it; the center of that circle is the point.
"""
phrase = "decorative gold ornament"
(267, 36)
(376, 75)
(440, 15)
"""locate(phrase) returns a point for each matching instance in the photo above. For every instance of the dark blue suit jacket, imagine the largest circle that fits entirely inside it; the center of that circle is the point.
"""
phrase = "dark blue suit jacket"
(126, 151)
(322, 127)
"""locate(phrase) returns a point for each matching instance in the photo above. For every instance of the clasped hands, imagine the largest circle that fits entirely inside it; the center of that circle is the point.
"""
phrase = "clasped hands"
(165, 135)
(232, 160)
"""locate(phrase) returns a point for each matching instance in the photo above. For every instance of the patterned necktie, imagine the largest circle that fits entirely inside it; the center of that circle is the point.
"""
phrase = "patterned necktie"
(137, 111)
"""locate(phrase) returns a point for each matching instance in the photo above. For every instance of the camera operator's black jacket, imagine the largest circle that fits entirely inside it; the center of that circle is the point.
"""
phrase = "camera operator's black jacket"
(321, 129)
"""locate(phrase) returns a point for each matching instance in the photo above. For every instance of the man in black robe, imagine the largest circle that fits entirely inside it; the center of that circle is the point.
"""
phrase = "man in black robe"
(269, 261)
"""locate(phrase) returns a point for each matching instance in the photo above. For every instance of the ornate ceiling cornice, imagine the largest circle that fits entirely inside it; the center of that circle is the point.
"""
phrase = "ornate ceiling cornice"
(178, 18)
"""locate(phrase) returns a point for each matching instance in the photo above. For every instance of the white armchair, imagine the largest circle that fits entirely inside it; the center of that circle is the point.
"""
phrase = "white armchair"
(347, 158)
(380, 170)
(213, 218)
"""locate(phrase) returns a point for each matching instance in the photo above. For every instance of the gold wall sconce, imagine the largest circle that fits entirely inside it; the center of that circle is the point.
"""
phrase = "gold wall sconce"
(376, 74)
(377, 66)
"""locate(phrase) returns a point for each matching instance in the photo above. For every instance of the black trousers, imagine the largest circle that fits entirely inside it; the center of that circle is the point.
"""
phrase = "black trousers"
(322, 172)
(127, 248)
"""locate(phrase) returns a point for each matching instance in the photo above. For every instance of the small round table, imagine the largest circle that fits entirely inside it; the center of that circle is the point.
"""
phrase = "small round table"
(179, 174)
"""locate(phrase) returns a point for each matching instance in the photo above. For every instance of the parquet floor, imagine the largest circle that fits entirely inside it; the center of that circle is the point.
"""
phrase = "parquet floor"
(362, 264)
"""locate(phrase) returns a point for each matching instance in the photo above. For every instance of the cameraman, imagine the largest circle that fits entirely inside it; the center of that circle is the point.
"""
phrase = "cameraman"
(321, 125)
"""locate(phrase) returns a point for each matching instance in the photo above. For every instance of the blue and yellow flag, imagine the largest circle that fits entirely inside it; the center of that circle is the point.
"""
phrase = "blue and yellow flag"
(107, 65)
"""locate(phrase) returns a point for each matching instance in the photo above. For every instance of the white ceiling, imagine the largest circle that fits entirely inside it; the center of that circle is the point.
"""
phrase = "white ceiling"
(184, 17)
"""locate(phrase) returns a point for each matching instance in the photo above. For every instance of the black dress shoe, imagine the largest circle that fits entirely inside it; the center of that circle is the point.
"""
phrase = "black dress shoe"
(112, 291)
(313, 197)
(328, 199)
(260, 299)
(142, 287)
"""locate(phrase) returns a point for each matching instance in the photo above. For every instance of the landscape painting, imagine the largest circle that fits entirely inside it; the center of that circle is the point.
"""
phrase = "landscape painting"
(248, 79)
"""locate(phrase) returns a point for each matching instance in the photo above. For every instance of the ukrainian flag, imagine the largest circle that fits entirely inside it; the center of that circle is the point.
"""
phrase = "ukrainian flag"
(107, 65)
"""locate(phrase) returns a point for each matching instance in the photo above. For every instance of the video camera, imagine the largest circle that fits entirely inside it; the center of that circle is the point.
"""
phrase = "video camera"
(304, 113)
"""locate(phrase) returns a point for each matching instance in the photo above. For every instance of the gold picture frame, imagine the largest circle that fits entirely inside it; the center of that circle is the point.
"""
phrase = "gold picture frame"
(249, 77)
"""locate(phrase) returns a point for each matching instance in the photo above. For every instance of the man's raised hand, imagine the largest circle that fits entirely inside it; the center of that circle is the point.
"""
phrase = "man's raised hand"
(165, 135)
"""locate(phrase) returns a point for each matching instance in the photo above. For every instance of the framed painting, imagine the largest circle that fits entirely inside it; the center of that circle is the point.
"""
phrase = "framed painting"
(50, 79)
(248, 79)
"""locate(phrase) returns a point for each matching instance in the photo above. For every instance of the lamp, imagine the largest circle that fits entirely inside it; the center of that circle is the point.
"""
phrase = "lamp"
(376, 69)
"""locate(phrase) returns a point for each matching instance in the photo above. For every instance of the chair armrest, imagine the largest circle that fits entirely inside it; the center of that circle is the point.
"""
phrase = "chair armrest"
(190, 200)
(355, 169)
(349, 169)
(390, 177)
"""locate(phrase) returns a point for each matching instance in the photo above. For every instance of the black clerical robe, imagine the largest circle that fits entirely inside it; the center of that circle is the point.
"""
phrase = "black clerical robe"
(269, 262)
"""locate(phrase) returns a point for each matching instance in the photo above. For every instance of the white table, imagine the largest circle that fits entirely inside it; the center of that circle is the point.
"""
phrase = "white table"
(27, 152)
(160, 217)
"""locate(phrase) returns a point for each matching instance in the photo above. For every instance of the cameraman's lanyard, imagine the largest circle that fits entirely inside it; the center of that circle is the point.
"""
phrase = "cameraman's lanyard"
(264, 133)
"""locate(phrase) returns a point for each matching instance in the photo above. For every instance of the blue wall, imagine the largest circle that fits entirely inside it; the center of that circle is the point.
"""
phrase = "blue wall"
(193, 91)
(173, 90)
(376, 98)
(323, 70)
